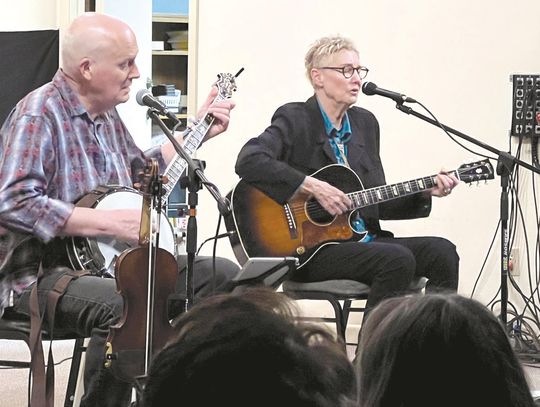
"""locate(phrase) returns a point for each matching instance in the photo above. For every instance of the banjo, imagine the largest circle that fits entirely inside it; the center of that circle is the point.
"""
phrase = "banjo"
(99, 254)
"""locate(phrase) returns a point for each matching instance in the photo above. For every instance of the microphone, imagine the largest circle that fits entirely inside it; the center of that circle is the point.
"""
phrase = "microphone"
(369, 88)
(145, 98)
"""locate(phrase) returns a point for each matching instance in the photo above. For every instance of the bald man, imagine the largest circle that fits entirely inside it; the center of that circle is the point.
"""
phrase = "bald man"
(60, 142)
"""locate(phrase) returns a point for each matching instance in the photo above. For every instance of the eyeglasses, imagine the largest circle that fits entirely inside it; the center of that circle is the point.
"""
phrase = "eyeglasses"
(348, 70)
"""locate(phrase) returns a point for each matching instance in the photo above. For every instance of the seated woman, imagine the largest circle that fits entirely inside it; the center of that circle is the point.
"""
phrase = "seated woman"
(248, 351)
(437, 350)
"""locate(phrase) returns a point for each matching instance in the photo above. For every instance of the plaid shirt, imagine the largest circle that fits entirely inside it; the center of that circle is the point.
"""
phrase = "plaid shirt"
(51, 154)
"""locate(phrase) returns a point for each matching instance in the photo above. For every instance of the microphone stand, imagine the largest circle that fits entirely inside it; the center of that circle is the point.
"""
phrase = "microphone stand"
(505, 167)
(196, 178)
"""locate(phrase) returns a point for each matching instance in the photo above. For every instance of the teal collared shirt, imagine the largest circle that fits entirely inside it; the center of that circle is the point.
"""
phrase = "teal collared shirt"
(338, 138)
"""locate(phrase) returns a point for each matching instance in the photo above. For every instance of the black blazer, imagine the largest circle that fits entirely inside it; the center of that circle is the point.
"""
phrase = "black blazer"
(295, 145)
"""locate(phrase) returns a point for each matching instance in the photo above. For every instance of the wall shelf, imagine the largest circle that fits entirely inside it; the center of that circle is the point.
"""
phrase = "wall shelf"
(170, 18)
(171, 52)
(174, 67)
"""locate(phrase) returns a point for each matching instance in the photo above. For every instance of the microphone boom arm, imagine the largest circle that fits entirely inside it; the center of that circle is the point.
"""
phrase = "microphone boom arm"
(507, 157)
(505, 166)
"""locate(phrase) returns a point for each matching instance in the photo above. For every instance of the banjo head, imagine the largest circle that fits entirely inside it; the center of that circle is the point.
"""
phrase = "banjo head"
(99, 254)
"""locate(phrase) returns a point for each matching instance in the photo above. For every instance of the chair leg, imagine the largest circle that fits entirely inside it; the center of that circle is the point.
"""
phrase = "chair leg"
(78, 349)
(340, 323)
(347, 308)
(346, 311)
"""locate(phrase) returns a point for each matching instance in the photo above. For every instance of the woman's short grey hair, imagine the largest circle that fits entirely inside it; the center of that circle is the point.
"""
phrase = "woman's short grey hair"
(323, 48)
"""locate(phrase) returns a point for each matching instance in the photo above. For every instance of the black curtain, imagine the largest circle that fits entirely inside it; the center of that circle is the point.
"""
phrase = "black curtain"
(28, 59)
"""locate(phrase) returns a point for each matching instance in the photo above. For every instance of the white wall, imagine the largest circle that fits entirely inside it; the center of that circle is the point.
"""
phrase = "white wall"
(453, 56)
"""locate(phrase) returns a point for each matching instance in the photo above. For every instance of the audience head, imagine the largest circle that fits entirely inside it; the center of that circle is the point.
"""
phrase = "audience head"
(437, 350)
(248, 351)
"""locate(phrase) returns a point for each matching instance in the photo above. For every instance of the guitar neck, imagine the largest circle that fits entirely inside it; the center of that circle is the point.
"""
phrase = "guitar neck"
(385, 193)
(192, 141)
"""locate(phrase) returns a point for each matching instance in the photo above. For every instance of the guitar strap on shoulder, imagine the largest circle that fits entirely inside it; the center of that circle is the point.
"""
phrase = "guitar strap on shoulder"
(43, 381)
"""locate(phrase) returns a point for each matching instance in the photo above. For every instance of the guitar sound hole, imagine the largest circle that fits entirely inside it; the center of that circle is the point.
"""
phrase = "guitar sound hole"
(316, 213)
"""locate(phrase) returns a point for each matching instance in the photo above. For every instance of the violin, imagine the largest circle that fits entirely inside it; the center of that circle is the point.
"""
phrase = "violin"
(145, 277)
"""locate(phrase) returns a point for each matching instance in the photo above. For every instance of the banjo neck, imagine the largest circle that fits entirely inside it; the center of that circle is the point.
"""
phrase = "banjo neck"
(192, 140)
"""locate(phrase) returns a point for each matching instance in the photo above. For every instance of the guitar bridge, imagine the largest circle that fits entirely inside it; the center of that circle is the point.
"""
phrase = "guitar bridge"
(291, 223)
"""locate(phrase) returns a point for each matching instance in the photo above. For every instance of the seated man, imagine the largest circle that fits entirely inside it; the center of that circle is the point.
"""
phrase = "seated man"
(59, 143)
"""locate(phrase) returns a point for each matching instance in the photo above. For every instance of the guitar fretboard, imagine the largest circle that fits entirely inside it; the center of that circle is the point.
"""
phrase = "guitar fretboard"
(385, 193)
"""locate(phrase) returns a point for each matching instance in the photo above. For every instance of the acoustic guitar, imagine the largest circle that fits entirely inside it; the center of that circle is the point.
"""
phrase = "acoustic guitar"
(260, 227)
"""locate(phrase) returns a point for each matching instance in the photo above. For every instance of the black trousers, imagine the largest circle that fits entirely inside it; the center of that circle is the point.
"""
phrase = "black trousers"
(388, 265)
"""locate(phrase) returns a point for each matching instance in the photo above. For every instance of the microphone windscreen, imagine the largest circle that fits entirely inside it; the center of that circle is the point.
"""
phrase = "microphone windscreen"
(369, 88)
(140, 96)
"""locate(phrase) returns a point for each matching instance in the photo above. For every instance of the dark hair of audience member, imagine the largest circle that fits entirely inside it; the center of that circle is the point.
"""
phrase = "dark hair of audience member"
(248, 351)
(437, 350)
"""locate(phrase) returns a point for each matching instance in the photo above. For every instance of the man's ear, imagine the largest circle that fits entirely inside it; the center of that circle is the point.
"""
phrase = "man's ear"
(85, 68)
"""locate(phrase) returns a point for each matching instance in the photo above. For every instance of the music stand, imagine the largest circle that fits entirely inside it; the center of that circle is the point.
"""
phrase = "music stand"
(265, 271)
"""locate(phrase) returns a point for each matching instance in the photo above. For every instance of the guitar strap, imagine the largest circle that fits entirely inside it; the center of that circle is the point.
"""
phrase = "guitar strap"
(43, 380)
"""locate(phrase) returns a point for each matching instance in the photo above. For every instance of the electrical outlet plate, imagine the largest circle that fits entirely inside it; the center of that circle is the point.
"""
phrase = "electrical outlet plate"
(513, 266)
